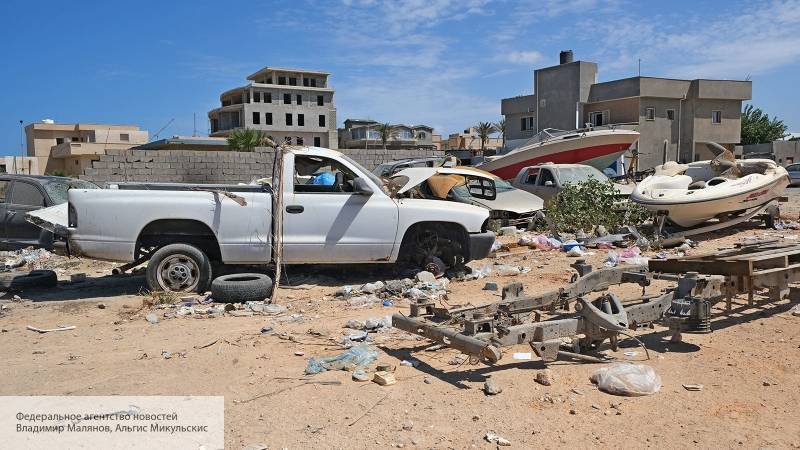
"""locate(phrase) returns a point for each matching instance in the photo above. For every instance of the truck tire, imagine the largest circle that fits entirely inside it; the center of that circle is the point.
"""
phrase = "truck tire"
(241, 287)
(32, 279)
(179, 268)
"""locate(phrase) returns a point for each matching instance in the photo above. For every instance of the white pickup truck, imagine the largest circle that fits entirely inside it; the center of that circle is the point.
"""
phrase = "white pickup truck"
(336, 212)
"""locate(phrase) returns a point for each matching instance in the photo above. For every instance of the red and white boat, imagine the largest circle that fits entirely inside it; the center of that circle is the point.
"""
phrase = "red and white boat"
(596, 148)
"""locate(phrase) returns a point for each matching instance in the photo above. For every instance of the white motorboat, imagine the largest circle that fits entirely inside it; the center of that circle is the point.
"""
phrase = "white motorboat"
(693, 193)
(596, 148)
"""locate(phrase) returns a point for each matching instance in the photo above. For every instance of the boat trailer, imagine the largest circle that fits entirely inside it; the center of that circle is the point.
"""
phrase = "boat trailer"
(586, 312)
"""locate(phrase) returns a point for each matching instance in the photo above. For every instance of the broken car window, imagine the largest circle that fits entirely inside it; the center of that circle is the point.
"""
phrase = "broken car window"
(57, 190)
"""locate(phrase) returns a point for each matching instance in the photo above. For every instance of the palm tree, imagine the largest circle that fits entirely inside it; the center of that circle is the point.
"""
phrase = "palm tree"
(500, 127)
(247, 139)
(484, 130)
(387, 133)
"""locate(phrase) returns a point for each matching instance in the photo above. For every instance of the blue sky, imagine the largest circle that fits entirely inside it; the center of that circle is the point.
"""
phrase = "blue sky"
(445, 63)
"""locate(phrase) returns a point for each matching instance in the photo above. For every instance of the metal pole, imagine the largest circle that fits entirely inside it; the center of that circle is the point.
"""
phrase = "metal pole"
(277, 227)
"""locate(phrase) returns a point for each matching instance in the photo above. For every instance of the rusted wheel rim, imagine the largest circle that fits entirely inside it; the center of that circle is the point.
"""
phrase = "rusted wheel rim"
(178, 273)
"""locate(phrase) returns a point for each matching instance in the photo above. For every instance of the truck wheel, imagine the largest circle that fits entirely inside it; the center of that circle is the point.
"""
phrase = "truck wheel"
(179, 268)
(241, 287)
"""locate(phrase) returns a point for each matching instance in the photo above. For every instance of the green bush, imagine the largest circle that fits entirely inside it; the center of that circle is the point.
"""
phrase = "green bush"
(587, 204)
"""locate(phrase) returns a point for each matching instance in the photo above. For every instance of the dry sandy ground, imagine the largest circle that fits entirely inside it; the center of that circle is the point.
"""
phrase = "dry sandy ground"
(748, 366)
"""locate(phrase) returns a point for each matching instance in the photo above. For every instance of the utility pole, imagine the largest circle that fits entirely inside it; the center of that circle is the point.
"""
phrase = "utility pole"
(640, 66)
(194, 124)
(21, 140)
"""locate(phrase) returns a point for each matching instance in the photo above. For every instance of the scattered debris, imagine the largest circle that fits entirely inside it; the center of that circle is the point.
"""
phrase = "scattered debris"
(522, 356)
(627, 379)
(490, 387)
(408, 425)
(47, 330)
(299, 353)
(545, 377)
(152, 318)
(384, 378)
(360, 375)
(409, 363)
(360, 355)
(496, 439)
(490, 286)
(101, 306)
(426, 277)
(693, 387)
(207, 345)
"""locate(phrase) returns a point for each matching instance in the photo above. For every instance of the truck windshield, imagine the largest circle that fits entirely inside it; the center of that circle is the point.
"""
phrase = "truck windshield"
(577, 175)
(57, 190)
(367, 173)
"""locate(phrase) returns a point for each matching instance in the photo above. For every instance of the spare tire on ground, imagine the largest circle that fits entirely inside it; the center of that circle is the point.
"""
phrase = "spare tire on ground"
(241, 287)
(32, 279)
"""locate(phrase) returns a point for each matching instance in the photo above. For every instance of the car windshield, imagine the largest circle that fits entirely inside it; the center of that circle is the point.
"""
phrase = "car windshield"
(503, 186)
(793, 168)
(57, 190)
(577, 175)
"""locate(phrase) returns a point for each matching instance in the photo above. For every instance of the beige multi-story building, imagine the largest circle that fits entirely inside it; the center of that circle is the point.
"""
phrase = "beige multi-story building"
(70, 148)
(470, 140)
(363, 133)
(674, 117)
(289, 105)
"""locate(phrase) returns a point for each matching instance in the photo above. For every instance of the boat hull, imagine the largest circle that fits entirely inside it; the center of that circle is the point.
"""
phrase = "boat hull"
(598, 150)
(688, 214)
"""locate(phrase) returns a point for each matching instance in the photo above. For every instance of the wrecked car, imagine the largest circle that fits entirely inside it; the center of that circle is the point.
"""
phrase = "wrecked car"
(548, 179)
(20, 194)
(472, 186)
(392, 167)
(334, 212)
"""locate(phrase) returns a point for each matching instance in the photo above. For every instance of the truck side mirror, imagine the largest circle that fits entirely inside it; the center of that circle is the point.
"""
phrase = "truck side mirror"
(361, 187)
(548, 183)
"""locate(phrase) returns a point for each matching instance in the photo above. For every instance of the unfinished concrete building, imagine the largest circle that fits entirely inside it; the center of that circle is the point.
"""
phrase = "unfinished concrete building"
(290, 105)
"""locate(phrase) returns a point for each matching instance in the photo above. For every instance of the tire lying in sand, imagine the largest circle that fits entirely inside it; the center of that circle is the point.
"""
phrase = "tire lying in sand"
(241, 287)
(32, 279)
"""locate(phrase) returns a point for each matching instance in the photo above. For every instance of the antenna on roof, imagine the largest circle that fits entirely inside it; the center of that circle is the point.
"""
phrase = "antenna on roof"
(155, 136)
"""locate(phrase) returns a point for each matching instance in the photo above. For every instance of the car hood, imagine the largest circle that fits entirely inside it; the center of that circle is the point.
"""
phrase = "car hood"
(516, 201)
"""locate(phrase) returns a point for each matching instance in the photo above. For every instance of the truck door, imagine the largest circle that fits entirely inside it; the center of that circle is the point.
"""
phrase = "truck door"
(326, 222)
(25, 197)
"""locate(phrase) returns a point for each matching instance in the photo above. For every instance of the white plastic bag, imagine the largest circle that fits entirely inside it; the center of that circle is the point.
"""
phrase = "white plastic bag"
(630, 380)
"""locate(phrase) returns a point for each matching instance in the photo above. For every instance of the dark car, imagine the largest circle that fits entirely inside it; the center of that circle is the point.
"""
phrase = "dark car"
(20, 194)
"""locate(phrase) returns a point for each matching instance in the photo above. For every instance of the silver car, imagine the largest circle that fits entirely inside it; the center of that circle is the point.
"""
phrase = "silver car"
(794, 174)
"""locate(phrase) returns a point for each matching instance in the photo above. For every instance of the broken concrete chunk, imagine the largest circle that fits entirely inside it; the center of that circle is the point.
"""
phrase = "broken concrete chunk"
(490, 387)
(355, 324)
(545, 377)
(371, 288)
(384, 378)
(496, 439)
(152, 318)
(490, 286)
(426, 277)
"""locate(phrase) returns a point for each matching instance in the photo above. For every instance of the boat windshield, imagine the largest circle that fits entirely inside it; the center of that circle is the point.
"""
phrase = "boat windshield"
(579, 174)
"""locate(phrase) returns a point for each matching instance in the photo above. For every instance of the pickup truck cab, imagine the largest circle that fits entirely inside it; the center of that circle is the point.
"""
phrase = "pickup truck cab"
(335, 212)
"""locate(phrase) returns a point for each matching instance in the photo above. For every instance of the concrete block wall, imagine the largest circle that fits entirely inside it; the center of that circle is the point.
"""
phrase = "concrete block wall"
(198, 166)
